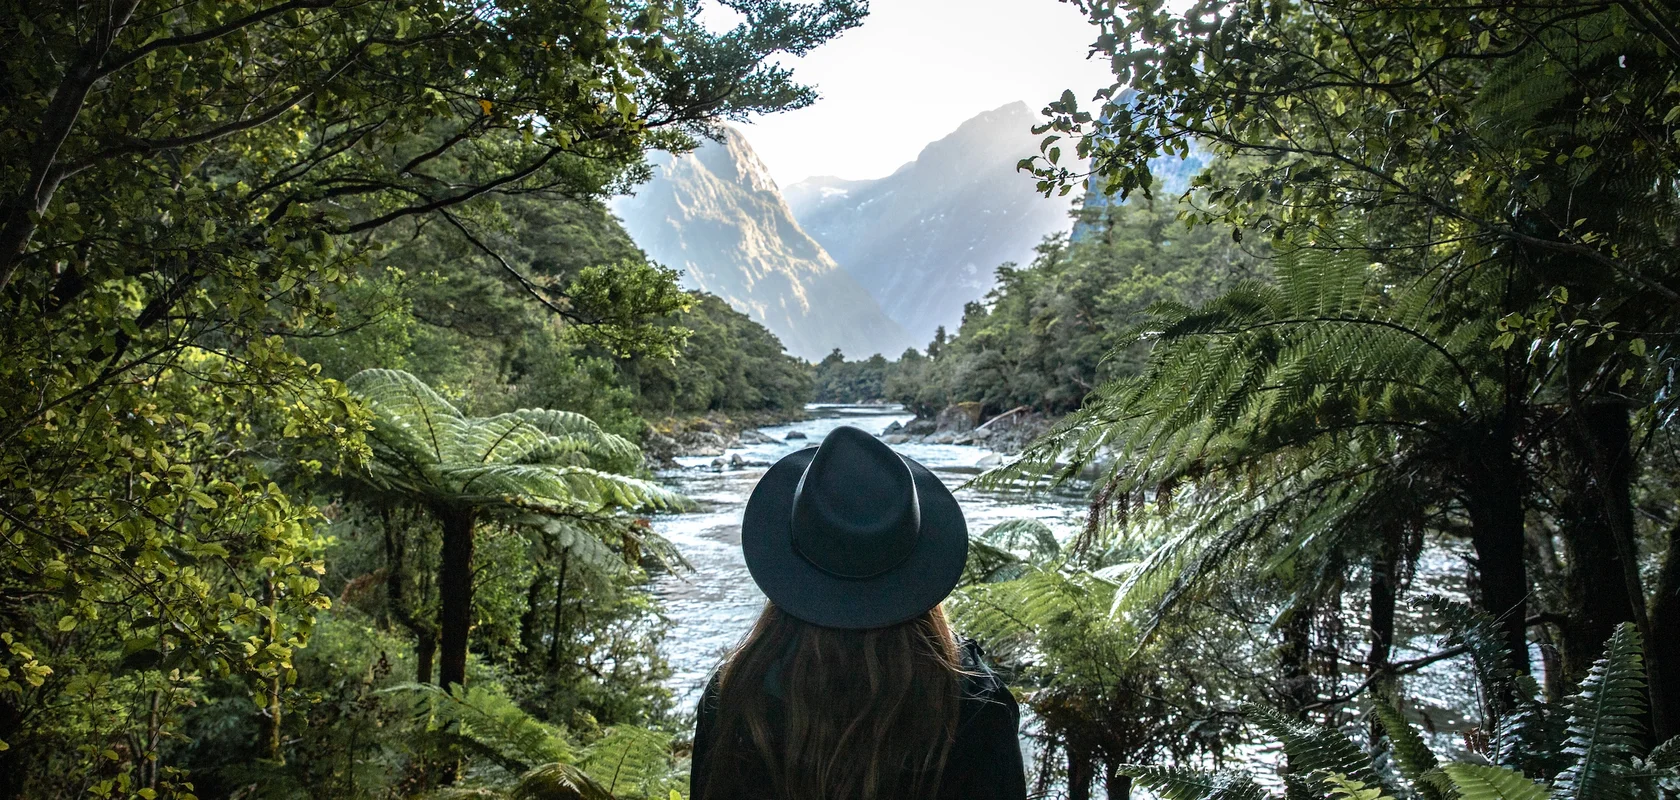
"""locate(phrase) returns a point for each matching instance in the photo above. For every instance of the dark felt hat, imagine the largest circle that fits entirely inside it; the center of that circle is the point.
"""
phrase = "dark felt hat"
(849, 534)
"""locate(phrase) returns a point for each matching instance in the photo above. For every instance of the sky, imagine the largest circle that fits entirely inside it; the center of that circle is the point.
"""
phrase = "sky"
(913, 72)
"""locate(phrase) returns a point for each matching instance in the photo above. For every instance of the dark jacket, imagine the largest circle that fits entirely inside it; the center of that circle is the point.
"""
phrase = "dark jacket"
(985, 760)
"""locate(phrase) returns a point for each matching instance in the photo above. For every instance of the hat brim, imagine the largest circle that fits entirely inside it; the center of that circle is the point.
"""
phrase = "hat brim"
(799, 588)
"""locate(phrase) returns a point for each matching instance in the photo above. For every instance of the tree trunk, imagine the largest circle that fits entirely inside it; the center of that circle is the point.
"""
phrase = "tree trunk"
(557, 630)
(1664, 644)
(1594, 589)
(1385, 589)
(1080, 773)
(455, 595)
(1612, 591)
(530, 634)
(271, 714)
(1494, 499)
(13, 761)
(396, 602)
(1115, 785)
(425, 653)
(1295, 681)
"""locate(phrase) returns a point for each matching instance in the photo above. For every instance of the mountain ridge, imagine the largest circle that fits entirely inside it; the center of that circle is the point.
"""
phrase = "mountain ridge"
(718, 216)
(927, 239)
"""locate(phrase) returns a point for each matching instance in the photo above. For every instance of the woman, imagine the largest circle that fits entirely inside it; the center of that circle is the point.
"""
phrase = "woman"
(851, 686)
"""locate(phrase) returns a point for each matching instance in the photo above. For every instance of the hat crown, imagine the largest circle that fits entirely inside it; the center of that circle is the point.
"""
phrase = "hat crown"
(856, 513)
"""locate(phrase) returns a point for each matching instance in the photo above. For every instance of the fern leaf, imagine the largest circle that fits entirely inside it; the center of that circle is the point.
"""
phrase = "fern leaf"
(558, 782)
(1478, 782)
(1029, 537)
(1180, 783)
(1344, 788)
(631, 762)
(1313, 749)
(1604, 722)
(1412, 755)
(491, 725)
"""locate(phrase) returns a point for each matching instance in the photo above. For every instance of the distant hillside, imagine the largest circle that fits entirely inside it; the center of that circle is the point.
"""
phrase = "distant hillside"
(926, 239)
(717, 216)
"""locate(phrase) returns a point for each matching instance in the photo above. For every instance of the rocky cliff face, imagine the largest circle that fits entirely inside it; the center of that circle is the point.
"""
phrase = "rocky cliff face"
(925, 240)
(716, 215)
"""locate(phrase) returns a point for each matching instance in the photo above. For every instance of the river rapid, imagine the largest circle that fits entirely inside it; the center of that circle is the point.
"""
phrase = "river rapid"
(713, 606)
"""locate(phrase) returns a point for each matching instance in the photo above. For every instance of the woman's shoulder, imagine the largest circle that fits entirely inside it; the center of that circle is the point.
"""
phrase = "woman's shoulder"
(981, 684)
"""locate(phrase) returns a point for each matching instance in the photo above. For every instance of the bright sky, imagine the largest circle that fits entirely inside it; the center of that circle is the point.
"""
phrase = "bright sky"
(913, 72)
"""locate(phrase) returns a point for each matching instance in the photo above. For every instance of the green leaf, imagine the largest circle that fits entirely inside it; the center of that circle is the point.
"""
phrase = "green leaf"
(1478, 782)
(1181, 783)
(1605, 722)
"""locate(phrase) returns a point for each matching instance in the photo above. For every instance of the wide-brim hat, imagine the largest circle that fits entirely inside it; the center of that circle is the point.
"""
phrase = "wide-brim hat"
(851, 534)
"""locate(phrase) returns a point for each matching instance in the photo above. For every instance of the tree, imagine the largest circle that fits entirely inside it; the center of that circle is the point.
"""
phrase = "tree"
(1456, 145)
(182, 187)
(531, 463)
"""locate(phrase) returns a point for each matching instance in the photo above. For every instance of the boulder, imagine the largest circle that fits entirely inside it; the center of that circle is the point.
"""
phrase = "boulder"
(660, 450)
(920, 427)
(717, 465)
(959, 417)
(895, 438)
(795, 436)
(754, 436)
(990, 461)
(893, 428)
(737, 462)
(701, 443)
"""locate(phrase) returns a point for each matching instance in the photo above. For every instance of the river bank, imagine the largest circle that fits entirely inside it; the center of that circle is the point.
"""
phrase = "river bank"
(710, 434)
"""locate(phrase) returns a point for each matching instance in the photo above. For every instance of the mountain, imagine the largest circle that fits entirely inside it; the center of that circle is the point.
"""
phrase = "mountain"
(926, 239)
(716, 215)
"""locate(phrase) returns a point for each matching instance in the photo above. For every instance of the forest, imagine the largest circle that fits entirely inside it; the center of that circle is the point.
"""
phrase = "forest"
(326, 372)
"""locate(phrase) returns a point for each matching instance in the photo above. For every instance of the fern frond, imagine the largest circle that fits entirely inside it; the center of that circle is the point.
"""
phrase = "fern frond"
(631, 762)
(558, 782)
(491, 725)
(1344, 788)
(1313, 749)
(407, 411)
(1033, 540)
(1604, 722)
(1478, 782)
(1417, 763)
(1180, 783)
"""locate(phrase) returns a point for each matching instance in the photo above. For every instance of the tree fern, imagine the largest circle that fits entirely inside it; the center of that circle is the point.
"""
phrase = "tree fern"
(524, 467)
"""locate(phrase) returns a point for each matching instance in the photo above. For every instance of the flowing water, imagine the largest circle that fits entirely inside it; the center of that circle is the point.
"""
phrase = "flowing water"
(712, 606)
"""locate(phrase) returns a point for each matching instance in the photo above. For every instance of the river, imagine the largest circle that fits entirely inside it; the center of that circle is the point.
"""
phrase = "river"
(711, 607)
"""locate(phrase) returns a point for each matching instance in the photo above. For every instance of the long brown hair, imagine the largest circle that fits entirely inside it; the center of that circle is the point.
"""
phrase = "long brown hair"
(831, 714)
